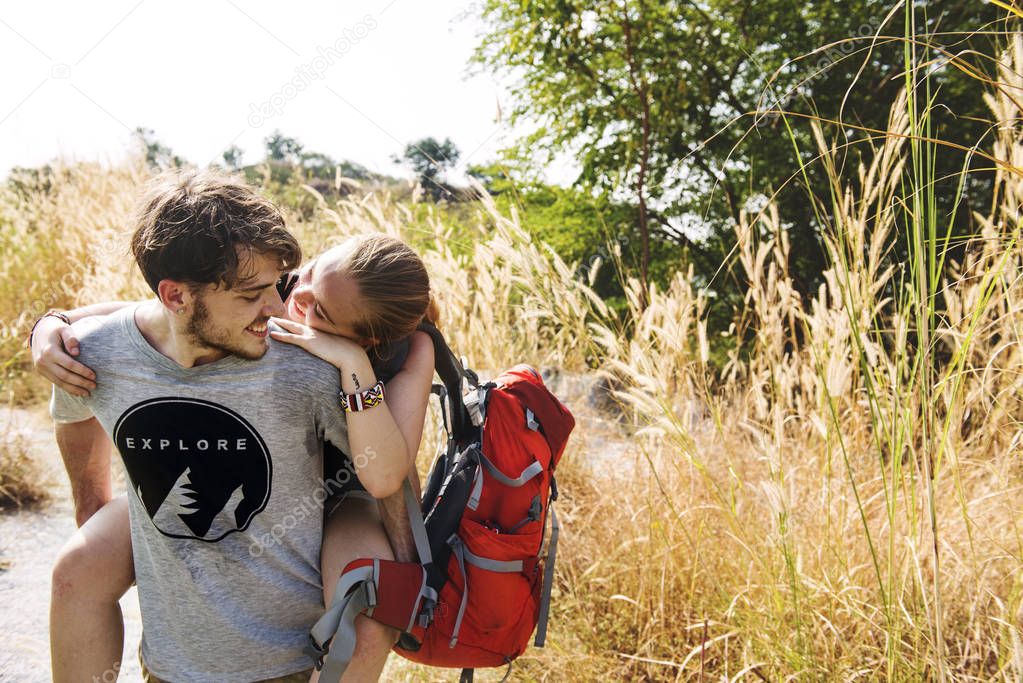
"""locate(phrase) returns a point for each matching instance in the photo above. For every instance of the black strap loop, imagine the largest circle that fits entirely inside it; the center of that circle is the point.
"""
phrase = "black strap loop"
(451, 372)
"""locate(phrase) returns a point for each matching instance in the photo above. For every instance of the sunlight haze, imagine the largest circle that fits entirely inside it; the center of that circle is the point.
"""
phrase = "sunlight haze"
(353, 80)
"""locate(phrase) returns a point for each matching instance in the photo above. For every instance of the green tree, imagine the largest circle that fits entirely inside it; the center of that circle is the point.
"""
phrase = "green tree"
(583, 228)
(233, 157)
(323, 166)
(157, 154)
(430, 160)
(658, 101)
(283, 149)
(319, 165)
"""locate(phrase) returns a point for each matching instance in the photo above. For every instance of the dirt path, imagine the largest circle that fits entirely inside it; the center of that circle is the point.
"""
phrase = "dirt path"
(29, 543)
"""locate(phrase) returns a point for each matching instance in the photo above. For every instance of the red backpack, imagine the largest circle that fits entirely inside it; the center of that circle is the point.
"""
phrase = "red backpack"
(482, 585)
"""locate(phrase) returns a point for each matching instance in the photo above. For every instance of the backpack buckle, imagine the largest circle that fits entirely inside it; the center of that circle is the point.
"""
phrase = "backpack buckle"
(472, 399)
(316, 653)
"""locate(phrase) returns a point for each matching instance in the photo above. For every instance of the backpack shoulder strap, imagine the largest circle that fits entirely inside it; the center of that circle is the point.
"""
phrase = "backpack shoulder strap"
(451, 373)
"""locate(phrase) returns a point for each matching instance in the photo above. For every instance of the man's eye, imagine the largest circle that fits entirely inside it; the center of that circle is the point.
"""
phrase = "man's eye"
(251, 299)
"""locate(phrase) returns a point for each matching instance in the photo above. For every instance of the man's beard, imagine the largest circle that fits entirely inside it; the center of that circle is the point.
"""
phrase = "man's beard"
(202, 333)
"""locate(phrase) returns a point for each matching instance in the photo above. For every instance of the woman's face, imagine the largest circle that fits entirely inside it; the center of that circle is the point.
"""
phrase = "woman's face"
(325, 297)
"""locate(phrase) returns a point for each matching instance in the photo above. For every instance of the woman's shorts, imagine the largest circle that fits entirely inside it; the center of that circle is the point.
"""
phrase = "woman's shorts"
(339, 479)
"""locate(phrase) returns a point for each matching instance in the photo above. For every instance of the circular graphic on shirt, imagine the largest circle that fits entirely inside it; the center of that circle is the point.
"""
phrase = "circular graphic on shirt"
(200, 470)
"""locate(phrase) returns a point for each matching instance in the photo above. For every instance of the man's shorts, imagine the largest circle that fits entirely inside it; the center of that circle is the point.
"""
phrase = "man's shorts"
(299, 677)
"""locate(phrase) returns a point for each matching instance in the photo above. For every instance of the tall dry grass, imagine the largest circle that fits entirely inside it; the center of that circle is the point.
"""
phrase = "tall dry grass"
(840, 501)
(64, 240)
(850, 507)
(23, 481)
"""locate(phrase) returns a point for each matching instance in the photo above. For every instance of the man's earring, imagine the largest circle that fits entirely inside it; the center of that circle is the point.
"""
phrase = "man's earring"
(180, 311)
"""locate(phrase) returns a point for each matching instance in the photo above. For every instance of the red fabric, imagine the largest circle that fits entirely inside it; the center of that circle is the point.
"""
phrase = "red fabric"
(524, 383)
(397, 592)
(502, 607)
(355, 564)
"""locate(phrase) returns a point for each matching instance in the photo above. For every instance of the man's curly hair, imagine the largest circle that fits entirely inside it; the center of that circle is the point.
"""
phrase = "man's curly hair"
(196, 226)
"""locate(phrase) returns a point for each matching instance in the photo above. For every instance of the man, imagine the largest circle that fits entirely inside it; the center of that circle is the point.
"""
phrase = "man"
(221, 435)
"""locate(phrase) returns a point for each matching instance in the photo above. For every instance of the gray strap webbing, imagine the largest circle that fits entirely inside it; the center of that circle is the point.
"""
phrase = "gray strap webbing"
(324, 629)
(473, 400)
(457, 549)
(415, 518)
(477, 490)
(427, 596)
(531, 420)
(503, 566)
(428, 600)
(343, 647)
(527, 474)
(548, 581)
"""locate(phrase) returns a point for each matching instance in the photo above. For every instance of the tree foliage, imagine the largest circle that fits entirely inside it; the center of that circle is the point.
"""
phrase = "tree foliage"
(156, 153)
(658, 101)
(281, 148)
(584, 228)
(430, 159)
(233, 157)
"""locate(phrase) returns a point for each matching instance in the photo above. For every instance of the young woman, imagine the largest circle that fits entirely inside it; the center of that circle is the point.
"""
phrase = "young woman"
(356, 303)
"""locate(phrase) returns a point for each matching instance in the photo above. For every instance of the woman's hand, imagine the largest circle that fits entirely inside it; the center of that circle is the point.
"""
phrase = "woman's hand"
(336, 350)
(53, 346)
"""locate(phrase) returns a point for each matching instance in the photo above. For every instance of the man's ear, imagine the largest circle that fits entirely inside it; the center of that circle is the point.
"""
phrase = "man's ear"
(174, 295)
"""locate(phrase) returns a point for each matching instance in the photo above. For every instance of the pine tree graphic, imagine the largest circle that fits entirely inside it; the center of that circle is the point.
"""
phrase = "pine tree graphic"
(181, 502)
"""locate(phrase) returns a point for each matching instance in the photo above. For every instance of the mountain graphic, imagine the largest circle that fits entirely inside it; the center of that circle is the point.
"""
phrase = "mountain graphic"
(181, 512)
(199, 469)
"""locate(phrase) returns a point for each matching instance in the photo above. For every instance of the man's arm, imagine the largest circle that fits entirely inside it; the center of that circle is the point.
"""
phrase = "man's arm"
(394, 515)
(85, 448)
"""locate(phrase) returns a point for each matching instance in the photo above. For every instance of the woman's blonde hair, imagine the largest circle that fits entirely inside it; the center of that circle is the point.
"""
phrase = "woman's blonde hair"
(394, 288)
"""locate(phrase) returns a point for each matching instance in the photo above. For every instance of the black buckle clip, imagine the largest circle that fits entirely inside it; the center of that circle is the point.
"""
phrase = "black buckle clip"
(316, 653)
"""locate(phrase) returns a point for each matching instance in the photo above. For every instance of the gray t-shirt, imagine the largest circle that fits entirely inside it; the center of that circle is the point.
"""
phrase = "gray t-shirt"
(225, 463)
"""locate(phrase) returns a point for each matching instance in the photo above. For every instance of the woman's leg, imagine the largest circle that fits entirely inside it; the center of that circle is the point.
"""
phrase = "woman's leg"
(92, 572)
(352, 531)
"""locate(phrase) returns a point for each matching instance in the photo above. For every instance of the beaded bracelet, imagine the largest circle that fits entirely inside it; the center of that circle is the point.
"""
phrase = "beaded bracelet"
(353, 403)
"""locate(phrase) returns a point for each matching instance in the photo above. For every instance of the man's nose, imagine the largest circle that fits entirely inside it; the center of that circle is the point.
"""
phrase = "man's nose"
(276, 309)
(275, 306)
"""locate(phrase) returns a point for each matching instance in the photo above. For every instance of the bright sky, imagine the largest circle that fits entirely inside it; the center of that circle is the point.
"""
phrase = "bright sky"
(355, 80)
